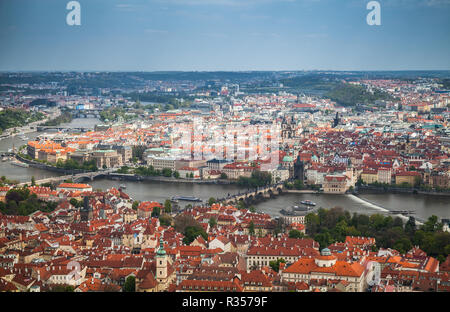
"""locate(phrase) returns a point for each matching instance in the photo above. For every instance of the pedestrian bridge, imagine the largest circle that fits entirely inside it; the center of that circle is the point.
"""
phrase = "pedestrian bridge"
(80, 177)
(258, 193)
(60, 128)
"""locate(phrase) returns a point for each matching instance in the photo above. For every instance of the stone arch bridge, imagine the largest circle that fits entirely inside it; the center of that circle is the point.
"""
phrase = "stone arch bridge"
(80, 177)
(250, 195)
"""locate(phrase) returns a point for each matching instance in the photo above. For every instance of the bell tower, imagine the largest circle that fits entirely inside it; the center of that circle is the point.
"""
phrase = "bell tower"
(161, 263)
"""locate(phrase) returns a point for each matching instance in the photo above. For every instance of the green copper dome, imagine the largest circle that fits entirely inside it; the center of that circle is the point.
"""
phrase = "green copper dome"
(161, 252)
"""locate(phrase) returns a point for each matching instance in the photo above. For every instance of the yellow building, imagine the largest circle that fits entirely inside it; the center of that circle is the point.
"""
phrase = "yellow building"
(410, 177)
(369, 176)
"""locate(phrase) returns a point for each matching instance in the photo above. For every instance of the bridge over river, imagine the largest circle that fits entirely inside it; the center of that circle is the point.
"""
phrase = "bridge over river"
(79, 177)
(62, 128)
(258, 193)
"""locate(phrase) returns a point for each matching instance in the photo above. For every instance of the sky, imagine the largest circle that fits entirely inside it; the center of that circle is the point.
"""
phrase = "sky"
(231, 35)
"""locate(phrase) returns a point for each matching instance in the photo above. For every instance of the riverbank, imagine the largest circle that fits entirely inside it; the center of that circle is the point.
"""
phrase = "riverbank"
(301, 191)
(397, 190)
(133, 177)
(42, 166)
(31, 127)
(11, 135)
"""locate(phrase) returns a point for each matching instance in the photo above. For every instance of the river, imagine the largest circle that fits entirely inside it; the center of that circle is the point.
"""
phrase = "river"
(423, 205)
(24, 174)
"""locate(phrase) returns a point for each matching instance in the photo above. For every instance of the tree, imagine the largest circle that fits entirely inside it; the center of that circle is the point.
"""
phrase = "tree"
(223, 176)
(340, 231)
(135, 205)
(298, 184)
(403, 245)
(359, 182)
(74, 202)
(167, 172)
(167, 206)
(332, 217)
(123, 169)
(241, 204)
(192, 232)
(165, 220)
(176, 174)
(257, 179)
(432, 224)
(410, 226)
(376, 221)
(398, 222)
(182, 221)
(212, 222)
(17, 194)
(138, 151)
(275, 264)
(251, 228)
(156, 212)
(296, 234)
(324, 239)
(130, 284)
(33, 181)
(312, 223)
(211, 201)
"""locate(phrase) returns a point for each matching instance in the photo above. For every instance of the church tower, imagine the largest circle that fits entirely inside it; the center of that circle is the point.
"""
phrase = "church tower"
(336, 120)
(86, 212)
(161, 263)
(299, 169)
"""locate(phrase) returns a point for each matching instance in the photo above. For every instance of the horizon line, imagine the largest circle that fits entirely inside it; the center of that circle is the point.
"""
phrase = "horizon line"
(229, 71)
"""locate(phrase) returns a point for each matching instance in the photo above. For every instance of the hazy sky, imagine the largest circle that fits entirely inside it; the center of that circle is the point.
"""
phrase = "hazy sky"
(147, 35)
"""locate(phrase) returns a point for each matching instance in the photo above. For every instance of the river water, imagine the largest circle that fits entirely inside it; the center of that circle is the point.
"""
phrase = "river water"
(21, 174)
(423, 205)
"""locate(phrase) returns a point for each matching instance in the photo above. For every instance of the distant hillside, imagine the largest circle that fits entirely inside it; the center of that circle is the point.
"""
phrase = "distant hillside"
(351, 95)
(313, 81)
(45, 102)
(11, 118)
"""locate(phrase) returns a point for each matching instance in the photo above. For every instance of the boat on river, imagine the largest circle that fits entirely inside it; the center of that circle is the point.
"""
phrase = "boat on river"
(300, 208)
(290, 213)
(187, 198)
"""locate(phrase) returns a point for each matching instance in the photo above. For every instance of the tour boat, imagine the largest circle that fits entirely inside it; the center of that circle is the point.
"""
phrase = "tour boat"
(297, 208)
(308, 203)
(187, 198)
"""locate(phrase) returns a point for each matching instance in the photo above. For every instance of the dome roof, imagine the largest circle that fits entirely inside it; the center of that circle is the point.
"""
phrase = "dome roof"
(161, 252)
